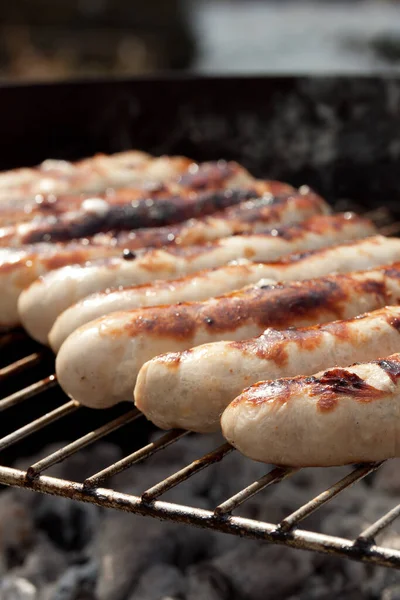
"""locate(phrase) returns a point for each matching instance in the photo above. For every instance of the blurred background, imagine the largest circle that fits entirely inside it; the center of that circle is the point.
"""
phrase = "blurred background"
(59, 39)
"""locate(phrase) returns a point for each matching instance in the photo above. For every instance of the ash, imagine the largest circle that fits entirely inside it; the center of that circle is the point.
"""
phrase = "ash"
(58, 549)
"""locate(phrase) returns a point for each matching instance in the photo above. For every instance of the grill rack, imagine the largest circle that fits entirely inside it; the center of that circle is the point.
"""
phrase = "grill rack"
(362, 548)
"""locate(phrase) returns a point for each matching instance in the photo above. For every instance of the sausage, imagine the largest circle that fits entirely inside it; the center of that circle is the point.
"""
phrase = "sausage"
(200, 383)
(336, 417)
(20, 267)
(160, 178)
(90, 175)
(270, 210)
(102, 217)
(51, 295)
(61, 169)
(362, 254)
(99, 362)
(213, 187)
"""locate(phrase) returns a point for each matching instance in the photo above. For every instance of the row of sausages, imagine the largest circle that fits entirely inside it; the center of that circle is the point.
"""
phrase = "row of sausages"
(262, 283)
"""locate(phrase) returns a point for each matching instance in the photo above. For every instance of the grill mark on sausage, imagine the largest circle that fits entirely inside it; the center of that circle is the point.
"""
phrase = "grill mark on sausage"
(394, 322)
(289, 259)
(336, 382)
(141, 213)
(391, 368)
(276, 306)
(276, 392)
(321, 224)
(273, 344)
(201, 176)
(239, 218)
(328, 387)
(163, 213)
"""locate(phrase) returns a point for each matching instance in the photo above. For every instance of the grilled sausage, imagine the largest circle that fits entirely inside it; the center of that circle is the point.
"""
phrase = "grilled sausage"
(213, 187)
(101, 217)
(57, 170)
(190, 390)
(90, 175)
(337, 417)
(99, 362)
(51, 295)
(20, 267)
(363, 254)
(177, 184)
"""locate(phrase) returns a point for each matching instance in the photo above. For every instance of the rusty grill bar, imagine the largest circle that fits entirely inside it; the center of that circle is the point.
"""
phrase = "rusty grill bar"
(286, 532)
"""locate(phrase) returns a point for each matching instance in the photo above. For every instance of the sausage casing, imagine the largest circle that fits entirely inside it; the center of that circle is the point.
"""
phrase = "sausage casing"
(98, 363)
(190, 390)
(354, 256)
(340, 416)
(51, 295)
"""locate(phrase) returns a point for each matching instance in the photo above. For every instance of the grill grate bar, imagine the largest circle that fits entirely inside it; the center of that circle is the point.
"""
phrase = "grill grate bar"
(307, 509)
(37, 424)
(82, 442)
(249, 528)
(194, 467)
(162, 442)
(274, 476)
(20, 365)
(369, 534)
(28, 392)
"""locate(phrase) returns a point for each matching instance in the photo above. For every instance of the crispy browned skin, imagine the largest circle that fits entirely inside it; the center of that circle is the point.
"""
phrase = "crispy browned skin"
(328, 387)
(273, 346)
(242, 218)
(318, 225)
(212, 187)
(54, 255)
(280, 307)
(238, 219)
(335, 417)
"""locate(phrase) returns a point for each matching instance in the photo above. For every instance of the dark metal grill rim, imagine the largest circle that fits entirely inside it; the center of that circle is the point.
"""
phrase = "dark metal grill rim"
(362, 548)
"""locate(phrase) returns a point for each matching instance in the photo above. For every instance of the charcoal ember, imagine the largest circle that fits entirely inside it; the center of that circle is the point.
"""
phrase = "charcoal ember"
(391, 593)
(349, 519)
(317, 588)
(127, 545)
(17, 532)
(160, 581)
(17, 588)
(77, 583)
(387, 478)
(339, 575)
(68, 523)
(380, 581)
(205, 582)
(261, 572)
(44, 564)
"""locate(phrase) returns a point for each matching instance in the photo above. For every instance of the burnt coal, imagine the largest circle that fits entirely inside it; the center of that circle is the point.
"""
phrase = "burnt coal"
(78, 583)
(160, 581)
(57, 549)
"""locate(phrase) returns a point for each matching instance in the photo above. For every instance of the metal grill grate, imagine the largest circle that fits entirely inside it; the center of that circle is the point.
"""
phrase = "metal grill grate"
(286, 532)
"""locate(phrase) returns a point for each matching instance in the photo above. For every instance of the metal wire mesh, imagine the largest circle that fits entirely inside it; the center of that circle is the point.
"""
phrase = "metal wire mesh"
(286, 532)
